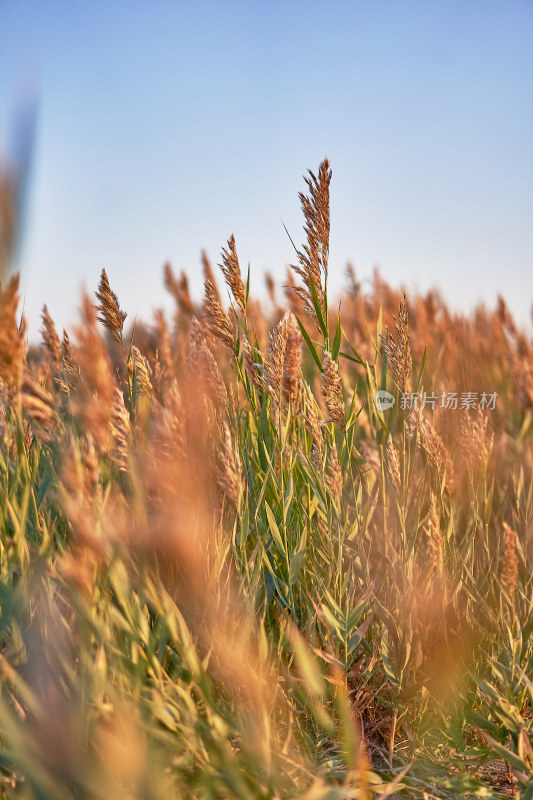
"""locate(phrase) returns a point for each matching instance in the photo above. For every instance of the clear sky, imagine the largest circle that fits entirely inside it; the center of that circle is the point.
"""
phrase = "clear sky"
(165, 126)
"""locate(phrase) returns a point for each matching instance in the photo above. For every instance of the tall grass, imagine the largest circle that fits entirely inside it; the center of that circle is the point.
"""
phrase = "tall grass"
(225, 572)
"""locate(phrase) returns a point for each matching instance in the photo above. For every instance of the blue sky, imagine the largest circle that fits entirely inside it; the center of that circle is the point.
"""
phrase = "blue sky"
(164, 127)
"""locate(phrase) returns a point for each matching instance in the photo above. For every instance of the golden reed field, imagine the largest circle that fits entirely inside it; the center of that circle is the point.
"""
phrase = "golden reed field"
(230, 569)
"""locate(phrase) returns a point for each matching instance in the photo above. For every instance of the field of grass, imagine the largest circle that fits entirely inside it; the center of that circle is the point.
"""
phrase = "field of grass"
(225, 572)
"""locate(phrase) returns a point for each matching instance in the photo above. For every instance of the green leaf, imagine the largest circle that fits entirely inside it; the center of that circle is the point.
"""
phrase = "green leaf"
(298, 557)
(318, 309)
(274, 530)
(248, 283)
(310, 345)
(421, 369)
(336, 346)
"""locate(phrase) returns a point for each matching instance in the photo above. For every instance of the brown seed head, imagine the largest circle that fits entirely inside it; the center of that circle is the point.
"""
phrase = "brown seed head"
(120, 426)
(70, 378)
(398, 351)
(293, 364)
(232, 273)
(209, 274)
(229, 476)
(393, 465)
(332, 390)
(50, 338)
(110, 315)
(273, 374)
(334, 479)
(179, 289)
(215, 317)
(313, 257)
(12, 343)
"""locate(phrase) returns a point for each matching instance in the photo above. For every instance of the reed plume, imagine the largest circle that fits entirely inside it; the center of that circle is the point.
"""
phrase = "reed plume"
(203, 367)
(12, 338)
(313, 257)
(230, 470)
(232, 273)
(398, 351)
(271, 288)
(179, 289)
(215, 317)
(120, 426)
(334, 479)
(393, 465)
(51, 340)
(312, 425)
(432, 444)
(164, 348)
(292, 381)
(70, 378)
(38, 404)
(273, 371)
(332, 390)
(208, 273)
(142, 371)
(109, 311)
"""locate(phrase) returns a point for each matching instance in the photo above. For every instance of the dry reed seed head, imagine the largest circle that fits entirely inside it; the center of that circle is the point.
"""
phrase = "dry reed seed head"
(80, 470)
(313, 257)
(334, 479)
(93, 398)
(332, 390)
(93, 358)
(428, 439)
(476, 442)
(215, 317)
(12, 339)
(121, 430)
(230, 478)
(169, 434)
(521, 367)
(509, 571)
(232, 273)
(271, 288)
(505, 316)
(209, 275)
(143, 371)
(110, 314)
(50, 338)
(435, 542)
(38, 404)
(164, 347)
(398, 351)
(292, 381)
(393, 465)
(273, 370)
(179, 289)
(71, 369)
(354, 287)
(312, 424)
(254, 369)
(203, 366)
